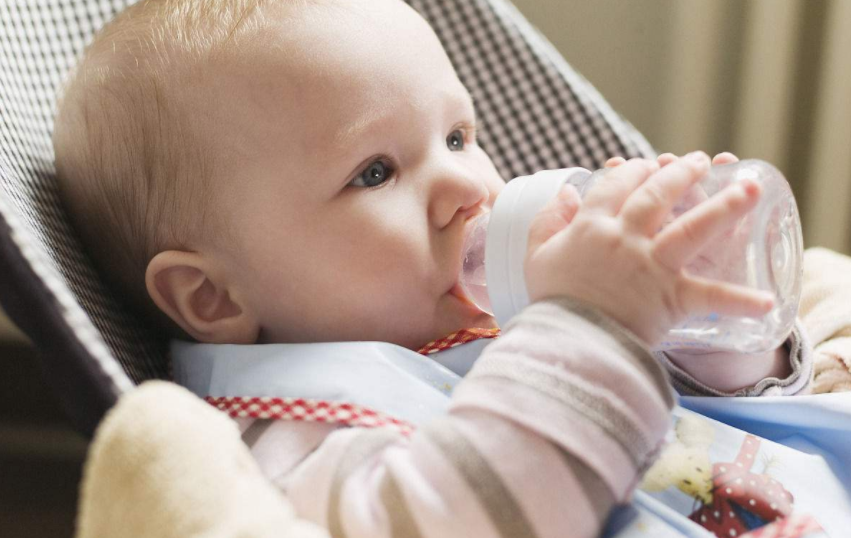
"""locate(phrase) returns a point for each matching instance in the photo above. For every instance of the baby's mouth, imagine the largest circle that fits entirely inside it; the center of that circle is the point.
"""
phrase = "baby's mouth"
(467, 302)
(471, 283)
(470, 287)
(458, 291)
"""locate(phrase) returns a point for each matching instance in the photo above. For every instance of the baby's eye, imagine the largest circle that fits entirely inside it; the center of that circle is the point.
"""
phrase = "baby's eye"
(376, 173)
(455, 140)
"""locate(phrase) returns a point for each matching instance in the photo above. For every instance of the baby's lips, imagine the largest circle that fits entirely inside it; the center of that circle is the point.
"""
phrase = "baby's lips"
(458, 291)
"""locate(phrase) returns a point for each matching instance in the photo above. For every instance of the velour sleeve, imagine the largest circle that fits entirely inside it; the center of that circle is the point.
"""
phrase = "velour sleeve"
(820, 344)
(798, 351)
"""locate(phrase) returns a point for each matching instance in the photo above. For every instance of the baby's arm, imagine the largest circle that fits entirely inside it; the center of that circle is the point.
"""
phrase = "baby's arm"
(786, 370)
(554, 424)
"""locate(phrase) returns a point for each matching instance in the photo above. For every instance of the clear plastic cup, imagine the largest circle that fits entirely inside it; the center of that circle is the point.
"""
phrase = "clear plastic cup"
(763, 251)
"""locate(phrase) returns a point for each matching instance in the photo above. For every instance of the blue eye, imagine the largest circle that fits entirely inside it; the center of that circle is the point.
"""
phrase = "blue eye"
(373, 175)
(455, 140)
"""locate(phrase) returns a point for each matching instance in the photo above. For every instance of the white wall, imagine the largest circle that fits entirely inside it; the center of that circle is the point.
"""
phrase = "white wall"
(766, 79)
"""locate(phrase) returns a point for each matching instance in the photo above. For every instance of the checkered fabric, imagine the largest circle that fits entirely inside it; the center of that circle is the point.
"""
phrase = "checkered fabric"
(456, 339)
(535, 112)
(300, 409)
(345, 414)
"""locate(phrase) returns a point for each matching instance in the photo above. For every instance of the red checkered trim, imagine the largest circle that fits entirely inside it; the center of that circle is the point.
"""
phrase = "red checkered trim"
(456, 339)
(336, 412)
(308, 411)
(794, 526)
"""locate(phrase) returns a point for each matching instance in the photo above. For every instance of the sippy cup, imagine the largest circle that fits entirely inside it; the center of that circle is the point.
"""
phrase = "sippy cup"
(763, 250)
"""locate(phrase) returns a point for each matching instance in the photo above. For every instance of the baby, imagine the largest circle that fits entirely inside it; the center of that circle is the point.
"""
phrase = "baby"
(260, 172)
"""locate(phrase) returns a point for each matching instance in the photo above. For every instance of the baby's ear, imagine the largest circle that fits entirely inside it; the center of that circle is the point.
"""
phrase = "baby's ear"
(184, 287)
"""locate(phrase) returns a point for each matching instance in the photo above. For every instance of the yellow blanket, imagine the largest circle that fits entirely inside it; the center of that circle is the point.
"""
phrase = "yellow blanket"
(826, 313)
(165, 464)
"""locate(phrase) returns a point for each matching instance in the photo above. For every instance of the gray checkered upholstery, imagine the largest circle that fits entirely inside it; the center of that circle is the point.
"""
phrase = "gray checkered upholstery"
(535, 113)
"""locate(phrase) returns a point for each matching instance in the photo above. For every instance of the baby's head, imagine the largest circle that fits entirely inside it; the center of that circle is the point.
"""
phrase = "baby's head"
(291, 171)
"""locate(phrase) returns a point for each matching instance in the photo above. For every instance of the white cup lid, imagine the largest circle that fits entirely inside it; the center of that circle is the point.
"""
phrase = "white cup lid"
(508, 235)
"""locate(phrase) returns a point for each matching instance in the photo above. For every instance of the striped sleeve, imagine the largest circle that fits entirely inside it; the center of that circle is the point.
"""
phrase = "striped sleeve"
(552, 427)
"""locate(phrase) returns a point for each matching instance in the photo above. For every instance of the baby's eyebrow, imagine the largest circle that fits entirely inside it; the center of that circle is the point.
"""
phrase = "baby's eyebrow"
(467, 98)
(350, 132)
(344, 136)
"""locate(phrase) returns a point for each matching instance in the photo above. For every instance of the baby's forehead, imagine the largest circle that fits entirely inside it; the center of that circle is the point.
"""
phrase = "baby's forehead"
(327, 64)
(316, 33)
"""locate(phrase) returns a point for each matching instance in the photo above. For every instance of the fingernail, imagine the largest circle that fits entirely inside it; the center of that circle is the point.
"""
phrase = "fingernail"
(697, 156)
(569, 193)
(749, 186)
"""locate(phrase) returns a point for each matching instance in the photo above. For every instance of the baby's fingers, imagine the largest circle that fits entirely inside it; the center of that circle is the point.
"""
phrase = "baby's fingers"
(666, 158)
(724, 157)
(553, 217)
(614, 161)
(648, 206)
(699, 296)
(663, 159)
(681, 240)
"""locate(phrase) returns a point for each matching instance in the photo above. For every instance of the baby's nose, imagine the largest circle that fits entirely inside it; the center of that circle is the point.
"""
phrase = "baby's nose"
(457, 196)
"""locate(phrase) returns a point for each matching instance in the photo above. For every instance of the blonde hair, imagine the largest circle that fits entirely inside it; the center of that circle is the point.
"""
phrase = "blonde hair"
(133, 164)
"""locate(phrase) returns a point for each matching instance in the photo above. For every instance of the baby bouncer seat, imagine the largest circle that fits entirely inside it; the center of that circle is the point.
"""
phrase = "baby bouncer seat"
(535, 113)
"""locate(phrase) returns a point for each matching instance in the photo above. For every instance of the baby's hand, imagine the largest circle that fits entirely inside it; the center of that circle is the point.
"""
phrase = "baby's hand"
(560, 211)
(692, 196)
(664, 159)
(614, 256)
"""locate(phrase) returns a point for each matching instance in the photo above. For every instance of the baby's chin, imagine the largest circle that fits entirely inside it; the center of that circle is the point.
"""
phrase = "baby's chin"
(461, 315)
(451, 316)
